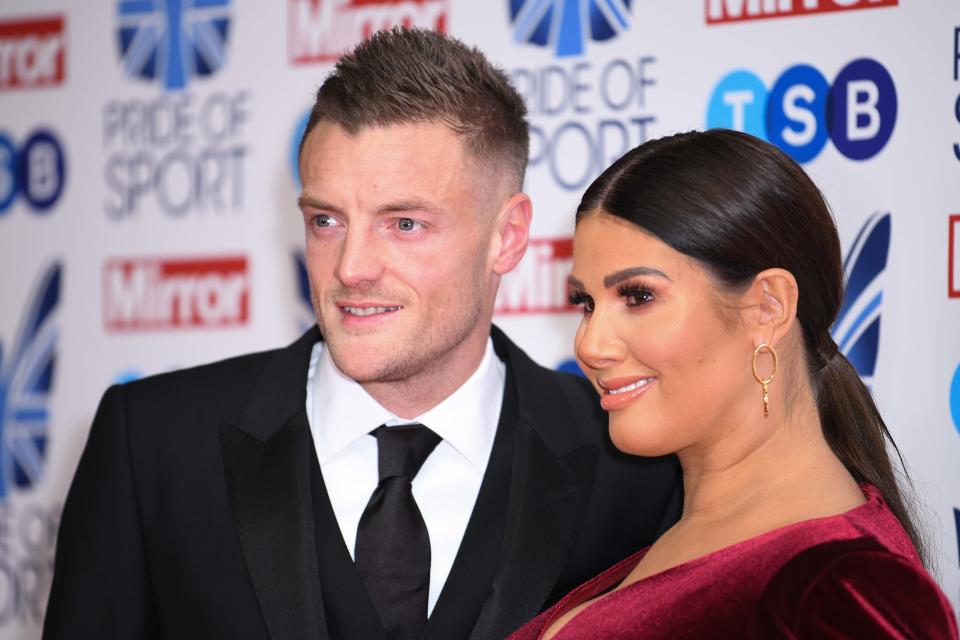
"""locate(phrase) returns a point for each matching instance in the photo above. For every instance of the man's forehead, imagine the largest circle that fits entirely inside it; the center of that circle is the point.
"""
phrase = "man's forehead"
(400, 133)
(403, 138)
(418, 161)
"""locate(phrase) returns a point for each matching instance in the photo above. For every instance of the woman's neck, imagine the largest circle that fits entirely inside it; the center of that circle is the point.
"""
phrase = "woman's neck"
(780, 460)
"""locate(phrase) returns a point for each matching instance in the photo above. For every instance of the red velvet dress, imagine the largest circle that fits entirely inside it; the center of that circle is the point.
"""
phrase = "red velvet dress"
(854, 575)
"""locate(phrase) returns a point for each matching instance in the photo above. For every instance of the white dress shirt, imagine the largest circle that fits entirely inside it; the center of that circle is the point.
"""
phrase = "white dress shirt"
(342, 415)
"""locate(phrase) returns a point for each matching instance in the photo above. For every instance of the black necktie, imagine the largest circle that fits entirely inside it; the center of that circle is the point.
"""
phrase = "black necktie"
(393, 548)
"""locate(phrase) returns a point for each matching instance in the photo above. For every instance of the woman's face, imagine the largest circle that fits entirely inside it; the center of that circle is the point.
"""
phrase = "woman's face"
(671, 364)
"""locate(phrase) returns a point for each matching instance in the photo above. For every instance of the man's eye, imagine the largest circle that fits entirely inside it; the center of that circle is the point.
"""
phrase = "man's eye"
(324, 220)
(408, 224)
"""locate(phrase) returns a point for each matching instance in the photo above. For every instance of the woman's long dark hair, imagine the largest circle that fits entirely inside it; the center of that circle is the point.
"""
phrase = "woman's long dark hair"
(739, 205)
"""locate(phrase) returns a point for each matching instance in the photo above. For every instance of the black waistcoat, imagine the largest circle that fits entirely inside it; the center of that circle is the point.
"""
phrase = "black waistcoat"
(350, 613)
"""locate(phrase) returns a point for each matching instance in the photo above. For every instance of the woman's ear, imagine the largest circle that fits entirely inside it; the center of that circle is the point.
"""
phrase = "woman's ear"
(771, 301)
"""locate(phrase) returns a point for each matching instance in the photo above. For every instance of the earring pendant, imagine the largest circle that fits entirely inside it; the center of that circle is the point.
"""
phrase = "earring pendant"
(765, 348)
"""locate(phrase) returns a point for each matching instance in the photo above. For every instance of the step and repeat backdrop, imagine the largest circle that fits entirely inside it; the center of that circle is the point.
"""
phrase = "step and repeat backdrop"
(148, 185)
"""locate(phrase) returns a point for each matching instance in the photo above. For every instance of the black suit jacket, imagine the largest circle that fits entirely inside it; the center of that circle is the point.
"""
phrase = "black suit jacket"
(198, 509)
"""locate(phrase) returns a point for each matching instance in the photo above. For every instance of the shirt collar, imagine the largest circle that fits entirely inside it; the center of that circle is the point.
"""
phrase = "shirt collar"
(343, 411)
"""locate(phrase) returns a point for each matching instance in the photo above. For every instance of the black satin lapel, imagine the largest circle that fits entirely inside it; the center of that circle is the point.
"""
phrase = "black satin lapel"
(270, 496)
(547, 500)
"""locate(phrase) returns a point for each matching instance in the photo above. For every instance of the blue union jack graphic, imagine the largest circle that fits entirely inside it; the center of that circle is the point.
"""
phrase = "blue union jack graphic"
(956, 518)
(565, 25)
(26, 378)
(305, 314)
(857, 329)
(172, 40)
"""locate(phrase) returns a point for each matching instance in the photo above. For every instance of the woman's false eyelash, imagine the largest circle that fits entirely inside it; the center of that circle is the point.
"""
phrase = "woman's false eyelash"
(579, 299)
(635, 294)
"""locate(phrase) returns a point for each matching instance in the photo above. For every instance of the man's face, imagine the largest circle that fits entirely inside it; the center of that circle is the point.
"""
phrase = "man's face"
(398, 248)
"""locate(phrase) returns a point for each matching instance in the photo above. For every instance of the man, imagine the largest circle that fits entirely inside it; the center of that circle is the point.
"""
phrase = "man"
(287, 494)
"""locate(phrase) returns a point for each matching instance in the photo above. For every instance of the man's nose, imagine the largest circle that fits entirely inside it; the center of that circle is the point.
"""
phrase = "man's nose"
(360, 261)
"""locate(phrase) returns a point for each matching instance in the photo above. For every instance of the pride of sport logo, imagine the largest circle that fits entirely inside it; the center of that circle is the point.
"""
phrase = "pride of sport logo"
(181, 152)
(802, 110)
(565, 25)
(171, 41)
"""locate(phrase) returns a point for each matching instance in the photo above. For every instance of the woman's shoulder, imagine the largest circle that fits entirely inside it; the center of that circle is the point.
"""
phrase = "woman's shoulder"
(855, 587)
(872, 520)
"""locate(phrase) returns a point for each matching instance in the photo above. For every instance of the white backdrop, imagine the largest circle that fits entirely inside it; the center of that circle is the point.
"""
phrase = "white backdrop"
(147, 200)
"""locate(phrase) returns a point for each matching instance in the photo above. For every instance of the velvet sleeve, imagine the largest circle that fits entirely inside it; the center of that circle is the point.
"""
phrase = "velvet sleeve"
(853, 589)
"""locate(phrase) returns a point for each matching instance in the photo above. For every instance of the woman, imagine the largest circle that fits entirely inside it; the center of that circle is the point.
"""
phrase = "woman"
(708, 269)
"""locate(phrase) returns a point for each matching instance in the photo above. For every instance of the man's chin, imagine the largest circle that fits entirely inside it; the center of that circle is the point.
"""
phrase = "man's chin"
(362, 360)
(369, 372)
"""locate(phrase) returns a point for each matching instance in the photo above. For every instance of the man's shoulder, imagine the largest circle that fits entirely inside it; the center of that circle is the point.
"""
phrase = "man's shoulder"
(225, 387)
(206, 377)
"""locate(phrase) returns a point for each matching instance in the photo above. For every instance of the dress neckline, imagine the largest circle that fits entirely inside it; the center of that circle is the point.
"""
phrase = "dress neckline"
(600, 584)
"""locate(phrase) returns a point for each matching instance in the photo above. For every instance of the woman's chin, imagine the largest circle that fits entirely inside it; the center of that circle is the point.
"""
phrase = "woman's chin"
(638, 440)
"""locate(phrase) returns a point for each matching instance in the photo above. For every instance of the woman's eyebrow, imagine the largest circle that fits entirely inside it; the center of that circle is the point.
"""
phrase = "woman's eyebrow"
(617, 277)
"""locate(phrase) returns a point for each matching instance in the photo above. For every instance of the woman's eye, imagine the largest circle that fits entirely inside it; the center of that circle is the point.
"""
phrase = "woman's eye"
(640, 298)
(635, 296)
(581, 300)
(408, 224)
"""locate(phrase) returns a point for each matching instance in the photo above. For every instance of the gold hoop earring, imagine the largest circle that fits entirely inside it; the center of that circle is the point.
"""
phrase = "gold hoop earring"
(765, 381)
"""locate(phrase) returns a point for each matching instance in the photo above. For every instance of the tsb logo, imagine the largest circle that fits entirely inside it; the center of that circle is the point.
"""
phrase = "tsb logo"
(801, 111)
(36, 170)
(720, 11)
(31, 53)
(321, 30)
(157, 294)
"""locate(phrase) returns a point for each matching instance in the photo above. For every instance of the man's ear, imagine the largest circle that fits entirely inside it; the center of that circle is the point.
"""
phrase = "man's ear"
(771, 303)
(512, 233)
